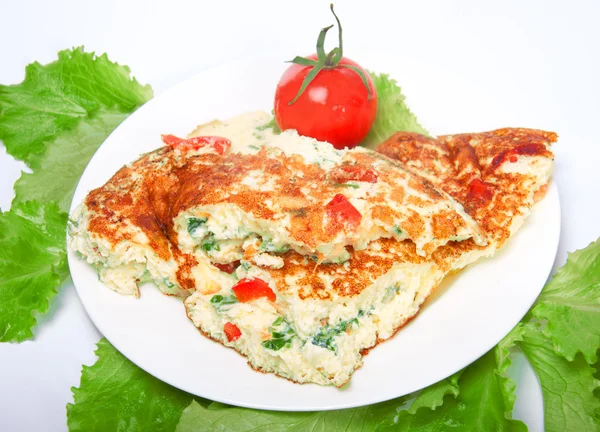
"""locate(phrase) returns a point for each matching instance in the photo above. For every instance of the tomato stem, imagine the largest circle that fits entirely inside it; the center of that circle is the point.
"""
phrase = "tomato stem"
(337, 59)
(326, 61)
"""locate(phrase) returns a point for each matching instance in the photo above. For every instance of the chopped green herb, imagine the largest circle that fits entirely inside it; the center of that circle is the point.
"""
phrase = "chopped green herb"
(271, 124)
(281, 335)
(269, 246)
(168, 283)
(194, 223)
(221, 303)
(245, 265)
(350, 185)
(326, 334)
(253, 147)
(210, 243)
(397, 230)
(390, 293)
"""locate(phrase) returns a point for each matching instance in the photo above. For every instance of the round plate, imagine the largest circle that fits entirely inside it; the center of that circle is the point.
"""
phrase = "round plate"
(467, 317)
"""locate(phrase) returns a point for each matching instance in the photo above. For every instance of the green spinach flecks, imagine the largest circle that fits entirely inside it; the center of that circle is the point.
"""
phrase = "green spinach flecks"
(222, 303)
(195, 223)
(325, 336)
(281, 335)
(209, 243)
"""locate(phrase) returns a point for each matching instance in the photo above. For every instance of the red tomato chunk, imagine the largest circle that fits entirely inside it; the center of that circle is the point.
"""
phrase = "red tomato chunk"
(340, 209)
(221, 145)
(347, 173)
(232, 331)
(480, 191)
(247, 290)
(227, 268)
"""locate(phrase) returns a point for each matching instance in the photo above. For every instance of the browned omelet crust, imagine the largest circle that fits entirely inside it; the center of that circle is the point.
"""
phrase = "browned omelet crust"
(454, 163)
(154, 189)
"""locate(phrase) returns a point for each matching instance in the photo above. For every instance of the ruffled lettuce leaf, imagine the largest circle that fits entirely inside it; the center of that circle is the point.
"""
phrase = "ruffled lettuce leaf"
(483, 401)
(116, 395)
(63, 162)
(570, 303)
(54, 98)
(33, 264)
(393, 114)
(433, 396)
(226, 418)
(54, 120)
(570, 402)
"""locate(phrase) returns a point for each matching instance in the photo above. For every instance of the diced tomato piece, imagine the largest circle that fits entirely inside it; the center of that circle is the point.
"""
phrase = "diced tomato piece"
(171, 140)
(531, 149)
(346, 173)
(232, 331)
(480, 192)
(227, 268)
(220, 144)
(339, 209)
(247, 290)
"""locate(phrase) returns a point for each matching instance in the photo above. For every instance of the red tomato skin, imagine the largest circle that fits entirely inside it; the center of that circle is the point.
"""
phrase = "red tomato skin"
(232, 332)
(340, 210)
(347, 173)
(333, 108)
(247, 290)
(171, 140)
(220, 144)
(479, 193)
(227, 268)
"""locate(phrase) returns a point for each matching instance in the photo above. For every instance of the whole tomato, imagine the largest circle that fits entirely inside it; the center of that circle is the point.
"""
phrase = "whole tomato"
(327, 96)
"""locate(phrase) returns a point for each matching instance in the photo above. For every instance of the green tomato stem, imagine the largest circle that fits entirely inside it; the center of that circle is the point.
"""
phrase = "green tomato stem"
(326, 61)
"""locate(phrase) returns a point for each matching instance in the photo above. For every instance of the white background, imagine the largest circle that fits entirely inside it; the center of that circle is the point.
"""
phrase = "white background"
(537, 60)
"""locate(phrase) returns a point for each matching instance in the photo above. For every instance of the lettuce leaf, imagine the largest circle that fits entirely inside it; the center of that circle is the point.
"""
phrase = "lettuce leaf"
(393, 114)
(63, 162)
(483, 401)
(433, 396)
(570, 303)
(568, 386)
(55, 97)
(33, 264)
(225, 418)
(116, 395)
(54, 120)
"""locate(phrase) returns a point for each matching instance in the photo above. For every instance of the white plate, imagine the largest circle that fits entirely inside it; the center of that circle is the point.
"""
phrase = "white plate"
(459, 325)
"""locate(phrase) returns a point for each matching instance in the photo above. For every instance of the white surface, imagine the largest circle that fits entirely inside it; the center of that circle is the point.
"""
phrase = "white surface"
(539, 58)
(142, 329)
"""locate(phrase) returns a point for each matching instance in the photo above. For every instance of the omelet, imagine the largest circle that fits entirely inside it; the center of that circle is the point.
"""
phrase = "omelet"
(271, 268)
(497, 176)
(171, 214)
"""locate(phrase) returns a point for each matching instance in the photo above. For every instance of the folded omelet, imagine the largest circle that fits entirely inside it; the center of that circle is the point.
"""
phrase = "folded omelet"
(302, 257)
(159, 217)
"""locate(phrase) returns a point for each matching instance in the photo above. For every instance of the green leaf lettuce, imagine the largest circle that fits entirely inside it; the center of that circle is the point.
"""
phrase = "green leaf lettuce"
(116, 395)
(63, 162)
(570, 303)
(55, 97)
(568, 386)
(33, 263)
(393, 114)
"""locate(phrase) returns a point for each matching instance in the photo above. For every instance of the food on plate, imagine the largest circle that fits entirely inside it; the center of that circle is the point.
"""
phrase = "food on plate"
(324, 319)
(497, 176)
(327, 96)
(195, 196)
(300, 256)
